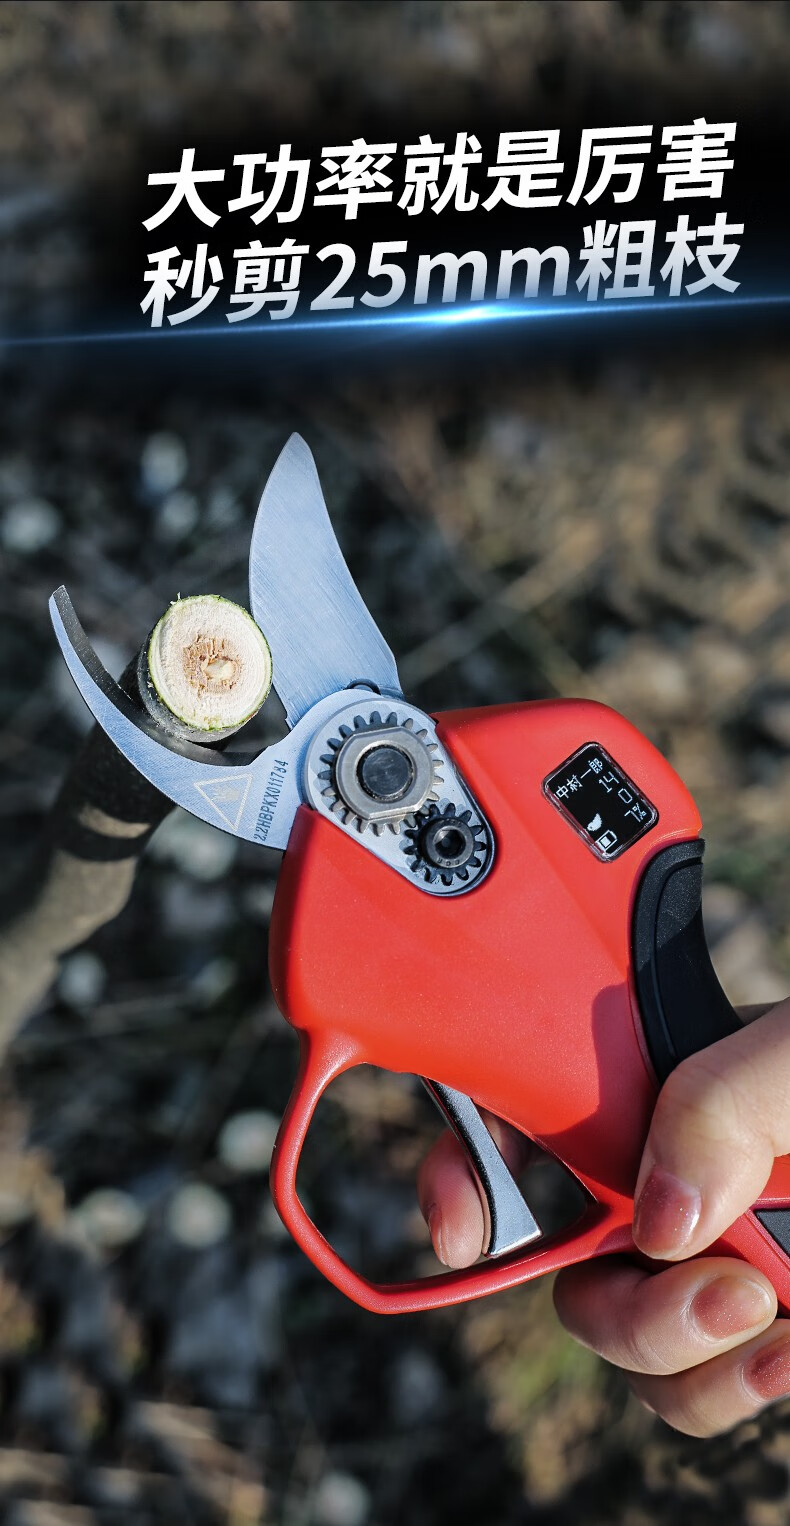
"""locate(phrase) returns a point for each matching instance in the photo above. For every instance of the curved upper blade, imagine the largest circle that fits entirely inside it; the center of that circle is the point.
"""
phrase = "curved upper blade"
(303, 597)
(254, 798)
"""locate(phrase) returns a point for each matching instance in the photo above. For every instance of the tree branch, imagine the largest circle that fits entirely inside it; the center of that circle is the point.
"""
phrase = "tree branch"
(81, 872)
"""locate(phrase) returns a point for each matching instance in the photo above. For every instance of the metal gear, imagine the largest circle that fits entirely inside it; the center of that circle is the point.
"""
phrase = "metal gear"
(379, 772)
(446, 844)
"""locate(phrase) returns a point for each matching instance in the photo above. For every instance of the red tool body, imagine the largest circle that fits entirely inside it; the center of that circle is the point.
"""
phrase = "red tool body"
(505, 902)
(521, 993)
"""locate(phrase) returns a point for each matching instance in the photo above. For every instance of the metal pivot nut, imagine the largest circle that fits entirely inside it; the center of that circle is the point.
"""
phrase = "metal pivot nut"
(369, 769)
(384, 775)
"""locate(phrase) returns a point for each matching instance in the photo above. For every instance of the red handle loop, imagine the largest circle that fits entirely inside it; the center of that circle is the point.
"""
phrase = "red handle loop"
(602, 1229)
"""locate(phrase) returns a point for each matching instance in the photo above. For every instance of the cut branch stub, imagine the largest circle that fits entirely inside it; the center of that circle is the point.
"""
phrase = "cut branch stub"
(205, 670)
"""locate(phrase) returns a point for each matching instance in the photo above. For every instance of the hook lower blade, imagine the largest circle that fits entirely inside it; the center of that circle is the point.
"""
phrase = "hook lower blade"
(254, 798)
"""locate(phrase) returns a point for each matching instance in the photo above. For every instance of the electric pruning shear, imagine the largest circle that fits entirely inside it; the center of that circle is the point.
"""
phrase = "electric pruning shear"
(540, 862)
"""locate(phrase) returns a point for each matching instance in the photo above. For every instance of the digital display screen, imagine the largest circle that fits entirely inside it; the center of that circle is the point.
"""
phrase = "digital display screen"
(603, 804)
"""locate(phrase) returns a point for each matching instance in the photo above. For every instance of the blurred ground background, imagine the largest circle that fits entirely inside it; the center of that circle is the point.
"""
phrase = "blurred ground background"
(610, 527)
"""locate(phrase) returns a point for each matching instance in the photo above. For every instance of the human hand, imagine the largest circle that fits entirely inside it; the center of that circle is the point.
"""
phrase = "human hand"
(699, 1340)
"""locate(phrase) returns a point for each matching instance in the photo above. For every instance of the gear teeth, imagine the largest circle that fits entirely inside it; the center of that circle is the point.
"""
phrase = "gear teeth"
(409, 824)
(414, 826)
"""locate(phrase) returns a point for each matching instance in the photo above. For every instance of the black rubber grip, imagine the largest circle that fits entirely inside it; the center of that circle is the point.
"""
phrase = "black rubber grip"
(777, 1222)
(683, 1007)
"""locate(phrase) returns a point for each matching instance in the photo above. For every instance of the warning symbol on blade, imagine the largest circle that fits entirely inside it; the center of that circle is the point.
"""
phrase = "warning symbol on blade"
(228, 797)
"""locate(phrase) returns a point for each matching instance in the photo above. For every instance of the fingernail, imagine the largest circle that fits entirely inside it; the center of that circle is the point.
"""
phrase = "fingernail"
(768, 1372)
(435, 1226)
(666, 1214)
(729, 1305)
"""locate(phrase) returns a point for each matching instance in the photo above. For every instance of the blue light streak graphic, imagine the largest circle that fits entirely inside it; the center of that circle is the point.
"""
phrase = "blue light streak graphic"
(477, 313)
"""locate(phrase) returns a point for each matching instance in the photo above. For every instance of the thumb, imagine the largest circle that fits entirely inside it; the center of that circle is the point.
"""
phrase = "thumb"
(720, 1120)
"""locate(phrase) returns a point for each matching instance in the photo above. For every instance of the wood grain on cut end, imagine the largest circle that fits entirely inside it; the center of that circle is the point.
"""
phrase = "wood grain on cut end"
(206, 669)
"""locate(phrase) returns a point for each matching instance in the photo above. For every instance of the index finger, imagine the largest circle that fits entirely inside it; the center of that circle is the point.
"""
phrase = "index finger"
(450, 1198)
